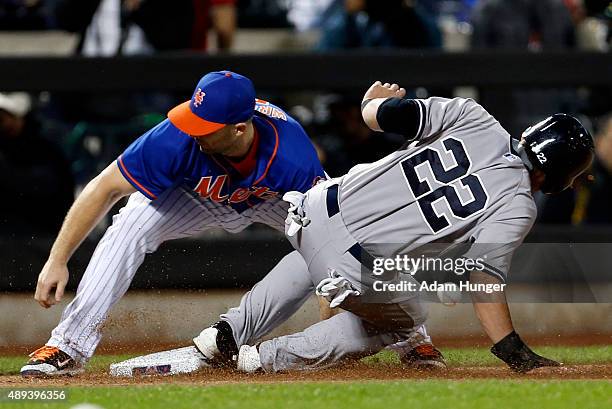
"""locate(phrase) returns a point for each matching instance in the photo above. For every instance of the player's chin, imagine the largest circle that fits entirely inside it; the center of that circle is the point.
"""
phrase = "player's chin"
(212, 150)
(207, 151)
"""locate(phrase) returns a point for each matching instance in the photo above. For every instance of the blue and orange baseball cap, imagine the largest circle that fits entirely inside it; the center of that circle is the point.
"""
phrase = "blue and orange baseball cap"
(220, 98)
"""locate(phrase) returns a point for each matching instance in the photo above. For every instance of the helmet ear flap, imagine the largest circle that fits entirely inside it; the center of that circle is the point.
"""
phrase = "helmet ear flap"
(553, 185)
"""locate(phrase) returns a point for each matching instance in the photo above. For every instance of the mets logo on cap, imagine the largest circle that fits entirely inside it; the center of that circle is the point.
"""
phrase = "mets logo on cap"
(198, 97)
(230, 99)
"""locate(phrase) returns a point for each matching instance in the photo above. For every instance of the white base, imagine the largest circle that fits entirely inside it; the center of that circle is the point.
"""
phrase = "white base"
(173, 362)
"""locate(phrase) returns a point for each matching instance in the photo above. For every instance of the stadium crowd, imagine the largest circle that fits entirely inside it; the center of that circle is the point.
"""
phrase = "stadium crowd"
(55, 143)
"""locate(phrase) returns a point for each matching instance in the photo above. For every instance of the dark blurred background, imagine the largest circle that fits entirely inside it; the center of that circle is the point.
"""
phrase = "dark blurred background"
(69, 118)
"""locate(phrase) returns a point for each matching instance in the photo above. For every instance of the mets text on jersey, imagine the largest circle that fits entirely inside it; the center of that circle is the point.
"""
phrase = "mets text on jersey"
(209, 189)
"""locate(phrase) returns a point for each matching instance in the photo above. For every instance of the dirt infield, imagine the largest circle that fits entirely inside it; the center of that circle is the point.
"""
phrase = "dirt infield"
(358, 371)
(441, 342)
(353, 372)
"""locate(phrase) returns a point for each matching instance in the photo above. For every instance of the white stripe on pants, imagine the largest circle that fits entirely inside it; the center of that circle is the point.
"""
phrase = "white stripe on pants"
(139, 228)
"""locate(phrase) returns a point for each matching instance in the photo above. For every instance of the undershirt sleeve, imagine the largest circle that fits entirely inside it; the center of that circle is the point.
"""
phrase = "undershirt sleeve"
(401, 116)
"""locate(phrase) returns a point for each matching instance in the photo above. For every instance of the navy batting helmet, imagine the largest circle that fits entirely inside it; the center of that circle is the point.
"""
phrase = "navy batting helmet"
(561, 148)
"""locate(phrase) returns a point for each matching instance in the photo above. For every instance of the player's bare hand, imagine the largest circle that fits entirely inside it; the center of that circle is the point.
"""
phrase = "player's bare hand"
(386, 90)
(52, 277)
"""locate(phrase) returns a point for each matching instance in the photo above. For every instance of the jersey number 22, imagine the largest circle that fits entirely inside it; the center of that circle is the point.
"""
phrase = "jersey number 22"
(427, 197)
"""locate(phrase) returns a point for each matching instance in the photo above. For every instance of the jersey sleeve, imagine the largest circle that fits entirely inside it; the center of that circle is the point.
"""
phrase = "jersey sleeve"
(443, 114)
(300, 164)
(150, 164)
(498, 238)
(307, 170)
(310, 176)
(421, 119)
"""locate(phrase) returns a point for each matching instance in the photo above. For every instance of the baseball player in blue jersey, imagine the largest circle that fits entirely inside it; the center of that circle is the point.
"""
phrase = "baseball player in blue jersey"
(221, 160)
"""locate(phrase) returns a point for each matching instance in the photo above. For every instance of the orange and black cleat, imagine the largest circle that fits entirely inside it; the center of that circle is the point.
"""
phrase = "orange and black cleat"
(50, 361)
(424, 357)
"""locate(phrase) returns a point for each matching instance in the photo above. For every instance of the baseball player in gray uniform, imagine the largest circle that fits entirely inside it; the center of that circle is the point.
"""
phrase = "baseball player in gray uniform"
(460, 178)
(223, 159)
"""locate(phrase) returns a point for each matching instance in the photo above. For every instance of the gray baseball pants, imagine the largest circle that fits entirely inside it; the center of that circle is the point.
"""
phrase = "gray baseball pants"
(362, 330)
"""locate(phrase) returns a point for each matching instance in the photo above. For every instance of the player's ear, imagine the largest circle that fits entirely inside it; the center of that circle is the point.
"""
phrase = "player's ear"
(240, 128)
(537, 178)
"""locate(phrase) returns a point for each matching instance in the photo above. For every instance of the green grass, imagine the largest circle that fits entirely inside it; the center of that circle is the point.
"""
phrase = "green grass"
(482, 356)
(431, 394)
(10, 365)
(454, 356)
(417, 394)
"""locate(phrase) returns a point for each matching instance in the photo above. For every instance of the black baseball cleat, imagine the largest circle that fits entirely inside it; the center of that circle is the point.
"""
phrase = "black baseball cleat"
(50, 361)
(217, 344)
(424, 358)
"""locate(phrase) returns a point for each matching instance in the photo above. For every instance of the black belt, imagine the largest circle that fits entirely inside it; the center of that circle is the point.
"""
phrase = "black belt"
(356, 250)
(333, 208)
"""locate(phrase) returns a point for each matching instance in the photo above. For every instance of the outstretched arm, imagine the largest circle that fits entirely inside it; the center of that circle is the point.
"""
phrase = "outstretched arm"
(494, 315)
(491, 309)
(93, 203)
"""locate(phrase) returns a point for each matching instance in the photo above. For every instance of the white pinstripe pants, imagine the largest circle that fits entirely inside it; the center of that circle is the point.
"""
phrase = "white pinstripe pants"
(139, 228)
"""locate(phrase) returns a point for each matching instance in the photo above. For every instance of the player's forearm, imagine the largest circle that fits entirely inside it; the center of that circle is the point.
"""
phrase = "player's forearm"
(369, 110)
(507, 344)
(491, 308)
(384, 109)
(396, 115)
(88, 209)
(495, 319)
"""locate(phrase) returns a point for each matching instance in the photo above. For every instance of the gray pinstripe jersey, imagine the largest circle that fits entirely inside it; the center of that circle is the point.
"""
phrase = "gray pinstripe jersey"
(457, 182)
